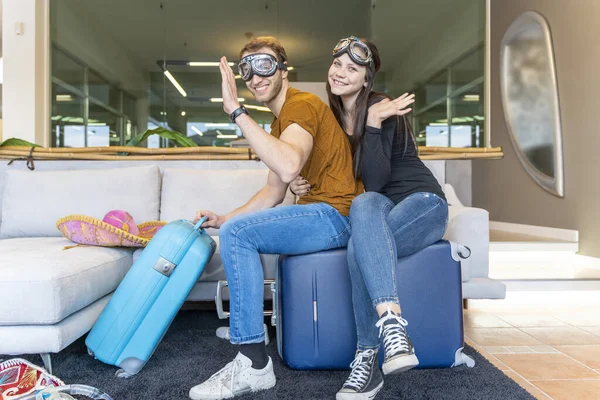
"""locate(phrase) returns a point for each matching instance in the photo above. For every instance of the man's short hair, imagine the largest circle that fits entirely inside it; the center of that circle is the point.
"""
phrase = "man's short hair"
(265, 41)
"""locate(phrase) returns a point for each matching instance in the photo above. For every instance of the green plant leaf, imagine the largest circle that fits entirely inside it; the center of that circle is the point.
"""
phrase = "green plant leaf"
(18, 142)
(178, 137)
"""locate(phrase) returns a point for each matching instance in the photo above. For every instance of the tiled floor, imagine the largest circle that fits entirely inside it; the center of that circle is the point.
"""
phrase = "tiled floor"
(552, 354)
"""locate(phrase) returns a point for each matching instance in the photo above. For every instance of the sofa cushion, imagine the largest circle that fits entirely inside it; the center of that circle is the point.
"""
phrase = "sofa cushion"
(32, 339)
(185, 191)
(42, 283)
(34, 201)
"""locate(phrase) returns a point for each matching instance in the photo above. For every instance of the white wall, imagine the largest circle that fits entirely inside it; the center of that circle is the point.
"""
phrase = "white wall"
(318, 88)
(25, 91)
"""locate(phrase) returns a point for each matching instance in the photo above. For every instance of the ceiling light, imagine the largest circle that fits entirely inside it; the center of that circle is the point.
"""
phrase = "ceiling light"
(207, 64)
(221, 136)
(198, 131)
(471, 97)
(258, 108)
(217, 125)
(183, 113)
(220, 99)
(64, 97)
(175, 83)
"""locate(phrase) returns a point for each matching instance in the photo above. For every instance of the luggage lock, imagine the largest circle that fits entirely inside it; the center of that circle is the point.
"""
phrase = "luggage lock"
(164, 266)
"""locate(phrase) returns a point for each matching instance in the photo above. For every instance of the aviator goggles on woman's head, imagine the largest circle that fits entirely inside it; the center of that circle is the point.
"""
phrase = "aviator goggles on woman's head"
(261, 64)
(357, 50)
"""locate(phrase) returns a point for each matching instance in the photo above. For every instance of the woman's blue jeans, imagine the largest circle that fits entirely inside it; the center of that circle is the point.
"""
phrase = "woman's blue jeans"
(381, 233)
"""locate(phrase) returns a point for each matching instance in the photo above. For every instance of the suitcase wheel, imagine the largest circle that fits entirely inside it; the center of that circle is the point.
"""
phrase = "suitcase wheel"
(91, 353)
(122, 374)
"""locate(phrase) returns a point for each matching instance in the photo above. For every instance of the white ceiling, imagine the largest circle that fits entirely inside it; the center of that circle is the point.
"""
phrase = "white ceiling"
(206, 30)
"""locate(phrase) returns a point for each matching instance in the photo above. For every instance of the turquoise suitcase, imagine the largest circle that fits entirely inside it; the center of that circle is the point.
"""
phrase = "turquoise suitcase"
(145, 303)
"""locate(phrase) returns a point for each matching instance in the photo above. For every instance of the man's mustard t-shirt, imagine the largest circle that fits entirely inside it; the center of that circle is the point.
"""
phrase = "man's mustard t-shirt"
(329, 166)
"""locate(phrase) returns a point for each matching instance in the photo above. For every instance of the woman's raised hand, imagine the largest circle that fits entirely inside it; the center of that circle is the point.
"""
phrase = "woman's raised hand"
(386, 108)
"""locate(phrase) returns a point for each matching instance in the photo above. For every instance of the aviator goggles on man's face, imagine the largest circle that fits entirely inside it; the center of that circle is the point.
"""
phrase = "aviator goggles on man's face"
(357, 50)
(262, 64)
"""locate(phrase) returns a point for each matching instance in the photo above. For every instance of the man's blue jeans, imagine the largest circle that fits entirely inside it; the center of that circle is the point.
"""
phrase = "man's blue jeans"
(289, 230)
(381, 233)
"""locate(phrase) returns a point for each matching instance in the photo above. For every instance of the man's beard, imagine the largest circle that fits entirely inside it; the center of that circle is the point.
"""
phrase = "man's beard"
(275, 89)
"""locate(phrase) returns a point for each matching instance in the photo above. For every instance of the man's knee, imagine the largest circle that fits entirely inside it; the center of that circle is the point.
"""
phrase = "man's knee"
(233, 231)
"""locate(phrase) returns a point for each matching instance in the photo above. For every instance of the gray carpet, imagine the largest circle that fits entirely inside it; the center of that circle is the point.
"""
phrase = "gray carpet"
(190, 353)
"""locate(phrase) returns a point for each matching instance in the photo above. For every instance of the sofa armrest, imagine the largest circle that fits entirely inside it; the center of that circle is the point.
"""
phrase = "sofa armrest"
(470, 227)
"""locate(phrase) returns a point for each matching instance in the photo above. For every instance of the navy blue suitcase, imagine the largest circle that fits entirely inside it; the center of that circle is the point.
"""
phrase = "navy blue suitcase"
(315, 319)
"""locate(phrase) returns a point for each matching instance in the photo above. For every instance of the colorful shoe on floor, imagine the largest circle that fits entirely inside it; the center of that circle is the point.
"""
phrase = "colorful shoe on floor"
(399, 352)
(365, 379)
(235, 379)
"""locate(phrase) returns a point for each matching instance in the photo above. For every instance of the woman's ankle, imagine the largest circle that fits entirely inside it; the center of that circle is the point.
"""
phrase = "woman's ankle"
(384, 307)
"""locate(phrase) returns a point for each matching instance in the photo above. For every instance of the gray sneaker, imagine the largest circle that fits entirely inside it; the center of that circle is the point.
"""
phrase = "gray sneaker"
(365, 379)
(399, 351)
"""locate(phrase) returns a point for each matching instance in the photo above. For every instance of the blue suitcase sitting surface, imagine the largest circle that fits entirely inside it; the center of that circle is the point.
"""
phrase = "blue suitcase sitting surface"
(316, 326)
(145, 303)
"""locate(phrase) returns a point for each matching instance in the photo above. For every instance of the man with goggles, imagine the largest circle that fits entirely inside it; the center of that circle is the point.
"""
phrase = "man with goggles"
(305, 138)
(262, 64)
(357, 50)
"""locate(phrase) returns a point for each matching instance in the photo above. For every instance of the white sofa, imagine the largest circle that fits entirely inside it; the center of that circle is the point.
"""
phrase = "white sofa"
(50, 296)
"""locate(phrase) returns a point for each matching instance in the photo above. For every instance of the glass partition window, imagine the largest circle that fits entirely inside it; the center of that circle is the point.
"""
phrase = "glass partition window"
(68, 71)
(68, 116)
(104, 127)
(467, 112)
(87, 110)
(140, 64)
(449, 108)
(103, 91)
(431, 127)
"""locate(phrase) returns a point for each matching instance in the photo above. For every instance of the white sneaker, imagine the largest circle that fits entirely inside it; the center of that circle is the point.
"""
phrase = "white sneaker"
(235, 379)
(223, 333)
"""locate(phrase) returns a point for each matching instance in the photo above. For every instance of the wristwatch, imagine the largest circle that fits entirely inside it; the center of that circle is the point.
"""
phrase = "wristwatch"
(238, 111)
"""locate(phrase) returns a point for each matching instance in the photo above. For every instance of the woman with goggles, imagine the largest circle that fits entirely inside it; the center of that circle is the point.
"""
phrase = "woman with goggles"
(402, 211)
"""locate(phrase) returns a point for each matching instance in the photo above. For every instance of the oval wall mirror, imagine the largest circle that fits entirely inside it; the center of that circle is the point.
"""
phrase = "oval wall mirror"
(529, 93)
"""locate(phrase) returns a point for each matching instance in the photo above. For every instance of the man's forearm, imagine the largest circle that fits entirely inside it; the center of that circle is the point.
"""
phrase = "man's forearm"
(280, 157)
(262, 200)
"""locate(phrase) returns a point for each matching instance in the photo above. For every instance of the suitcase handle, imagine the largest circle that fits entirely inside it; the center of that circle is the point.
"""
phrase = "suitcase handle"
(200, 222)
(219, 299)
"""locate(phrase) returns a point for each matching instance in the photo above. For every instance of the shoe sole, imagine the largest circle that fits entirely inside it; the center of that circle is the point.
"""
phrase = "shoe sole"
(400, 364)
(359, 396)
(270, 385)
